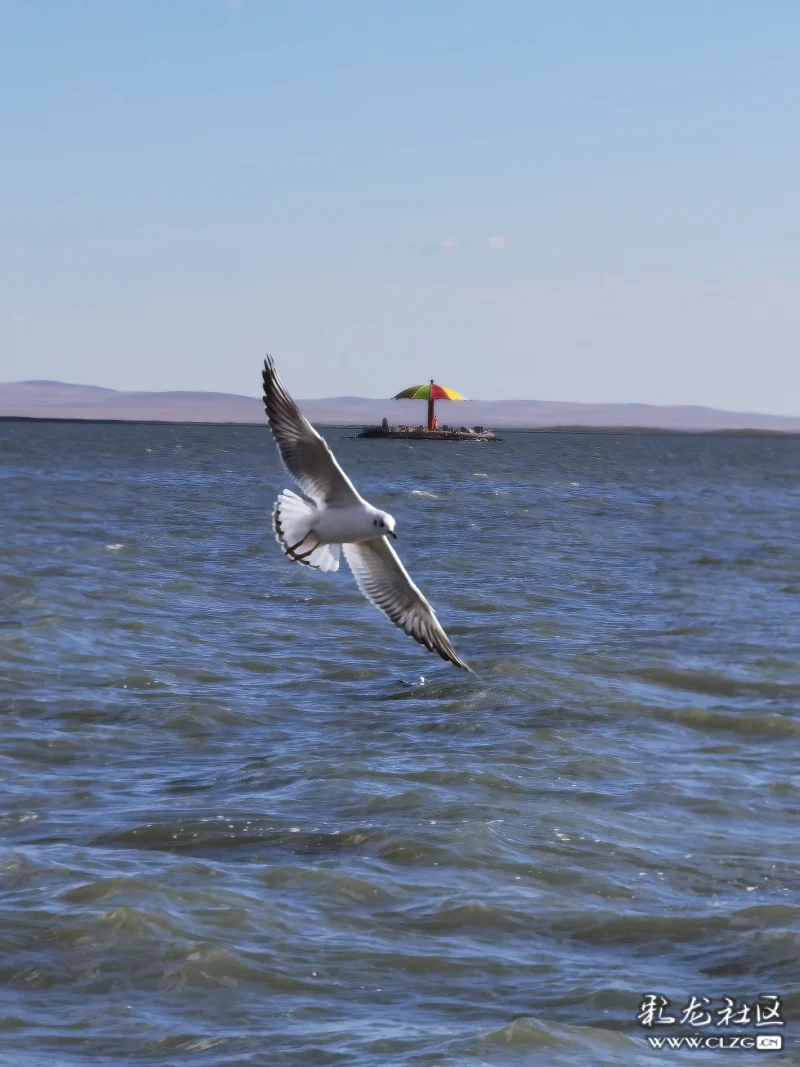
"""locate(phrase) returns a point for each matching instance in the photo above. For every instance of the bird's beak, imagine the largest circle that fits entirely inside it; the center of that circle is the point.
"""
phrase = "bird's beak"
(391, 533)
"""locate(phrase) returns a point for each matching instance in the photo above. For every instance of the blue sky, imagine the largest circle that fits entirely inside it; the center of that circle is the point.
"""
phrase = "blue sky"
(570, 201)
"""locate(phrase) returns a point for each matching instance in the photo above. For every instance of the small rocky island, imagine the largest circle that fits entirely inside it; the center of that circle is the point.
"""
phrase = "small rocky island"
(431, 392)
(422, 433)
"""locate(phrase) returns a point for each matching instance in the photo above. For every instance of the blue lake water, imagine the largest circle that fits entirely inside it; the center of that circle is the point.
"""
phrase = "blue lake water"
(246, 821)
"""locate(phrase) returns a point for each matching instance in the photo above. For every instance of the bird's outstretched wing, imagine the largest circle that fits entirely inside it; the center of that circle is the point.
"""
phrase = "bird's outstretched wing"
(384, 581)
(305, 454)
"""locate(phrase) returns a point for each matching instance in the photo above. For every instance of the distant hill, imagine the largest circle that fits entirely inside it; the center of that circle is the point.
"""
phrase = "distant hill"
(60, 400)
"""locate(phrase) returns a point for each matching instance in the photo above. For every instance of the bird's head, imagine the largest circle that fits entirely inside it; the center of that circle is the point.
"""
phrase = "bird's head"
(385, 524)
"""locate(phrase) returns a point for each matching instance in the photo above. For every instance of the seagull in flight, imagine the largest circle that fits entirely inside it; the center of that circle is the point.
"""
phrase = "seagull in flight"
(341, 520)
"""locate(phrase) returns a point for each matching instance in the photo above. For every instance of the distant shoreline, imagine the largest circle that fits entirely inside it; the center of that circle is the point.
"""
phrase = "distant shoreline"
(65, 402)
(587, 430)
(657, 430)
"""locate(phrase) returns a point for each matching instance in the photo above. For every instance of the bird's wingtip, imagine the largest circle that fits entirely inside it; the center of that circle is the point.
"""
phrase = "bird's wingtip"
(269, 375)
(457, 661)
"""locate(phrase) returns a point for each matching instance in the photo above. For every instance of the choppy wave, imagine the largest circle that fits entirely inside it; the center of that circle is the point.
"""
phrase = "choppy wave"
(246, 821)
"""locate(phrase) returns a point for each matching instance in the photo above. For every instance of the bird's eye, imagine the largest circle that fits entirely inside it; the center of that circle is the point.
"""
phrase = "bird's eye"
(382, 523)
(374, 522)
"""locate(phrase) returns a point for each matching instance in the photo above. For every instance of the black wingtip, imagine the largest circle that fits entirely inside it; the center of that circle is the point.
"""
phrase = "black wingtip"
(268, 377)
(464, 666)
(450, 655)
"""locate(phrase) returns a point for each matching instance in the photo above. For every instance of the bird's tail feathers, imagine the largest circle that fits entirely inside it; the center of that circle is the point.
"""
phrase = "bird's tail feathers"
(293, 523)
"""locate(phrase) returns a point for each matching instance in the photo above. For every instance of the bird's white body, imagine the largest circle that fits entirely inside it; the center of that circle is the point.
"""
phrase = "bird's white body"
(351, 525)
(340, 520)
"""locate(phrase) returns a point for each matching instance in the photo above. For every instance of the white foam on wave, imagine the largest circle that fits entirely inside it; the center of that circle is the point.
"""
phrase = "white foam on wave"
(114, 548)
(480, 475)
(424, 492)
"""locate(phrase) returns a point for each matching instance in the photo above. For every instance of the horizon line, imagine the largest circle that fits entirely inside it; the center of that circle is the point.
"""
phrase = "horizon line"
(353, 396)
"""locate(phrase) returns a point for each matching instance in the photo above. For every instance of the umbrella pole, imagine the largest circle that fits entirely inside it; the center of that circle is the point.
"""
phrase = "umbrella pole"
(430, 407)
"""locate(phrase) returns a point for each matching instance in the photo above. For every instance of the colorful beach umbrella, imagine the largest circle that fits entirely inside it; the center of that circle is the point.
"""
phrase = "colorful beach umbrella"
(430, 392)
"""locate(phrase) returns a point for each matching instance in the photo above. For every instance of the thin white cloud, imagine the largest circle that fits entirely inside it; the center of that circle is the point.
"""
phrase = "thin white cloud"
(448, 243)
(14, 316)
(499, 244)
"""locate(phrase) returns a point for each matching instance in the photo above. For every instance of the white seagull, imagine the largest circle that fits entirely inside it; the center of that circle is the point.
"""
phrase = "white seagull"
(340, 518)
